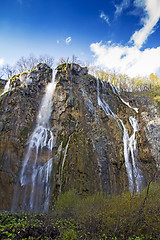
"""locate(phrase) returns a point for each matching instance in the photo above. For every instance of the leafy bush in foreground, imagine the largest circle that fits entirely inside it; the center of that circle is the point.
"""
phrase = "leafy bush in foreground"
(125, 216)
(97, 217)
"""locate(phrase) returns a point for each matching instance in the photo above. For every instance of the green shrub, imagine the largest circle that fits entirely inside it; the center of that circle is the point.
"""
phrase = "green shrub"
(97, 217)
(65, 207)
(70, 235)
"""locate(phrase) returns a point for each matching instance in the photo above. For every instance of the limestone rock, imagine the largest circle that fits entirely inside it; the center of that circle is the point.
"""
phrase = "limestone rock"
(88, 149)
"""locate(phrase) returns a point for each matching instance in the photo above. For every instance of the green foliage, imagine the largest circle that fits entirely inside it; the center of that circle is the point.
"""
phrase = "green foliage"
(119, 217)
(70, 235)
(125, 216)
(27, 226)
(66, 205)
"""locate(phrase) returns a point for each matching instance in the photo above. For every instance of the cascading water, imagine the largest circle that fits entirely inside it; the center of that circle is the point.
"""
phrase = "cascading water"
(37, 165)
(103, 104)
(133, 150)
(63, 162)
(135, 177)
(7, 87)
(115, 91)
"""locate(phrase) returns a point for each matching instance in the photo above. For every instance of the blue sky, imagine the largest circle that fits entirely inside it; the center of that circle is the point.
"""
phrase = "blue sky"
(121, 35)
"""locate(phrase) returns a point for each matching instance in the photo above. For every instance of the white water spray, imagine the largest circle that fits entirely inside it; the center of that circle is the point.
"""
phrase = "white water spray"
(37, 166)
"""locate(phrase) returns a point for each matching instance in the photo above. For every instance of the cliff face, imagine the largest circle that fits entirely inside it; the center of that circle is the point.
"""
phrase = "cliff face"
(2, 84)
(150, 117)
(97, 144)
(95, 154)
(18, 110)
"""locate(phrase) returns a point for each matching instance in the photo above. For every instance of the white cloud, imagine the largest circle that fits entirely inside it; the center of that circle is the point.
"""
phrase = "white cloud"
(119, 8)
(131, 60)
(127, 60)
(1, 61)
(58, 41)
(152, 10)
(68, 40)
(104, 17)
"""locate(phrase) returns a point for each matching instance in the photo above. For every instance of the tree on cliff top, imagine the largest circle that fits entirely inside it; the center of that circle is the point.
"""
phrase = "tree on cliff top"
(25, 64)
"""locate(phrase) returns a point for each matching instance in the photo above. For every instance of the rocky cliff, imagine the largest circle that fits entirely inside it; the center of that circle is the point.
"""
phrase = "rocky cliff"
(2, 85)
(18, 110)
(150, 117)
(100, 142)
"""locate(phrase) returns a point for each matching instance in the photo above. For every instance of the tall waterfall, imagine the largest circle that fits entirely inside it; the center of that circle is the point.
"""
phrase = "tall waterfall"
(36, 169)
(135, 177)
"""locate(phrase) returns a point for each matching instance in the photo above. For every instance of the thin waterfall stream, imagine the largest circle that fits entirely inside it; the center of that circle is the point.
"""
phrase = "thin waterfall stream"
(135, 177)
(37, 164)
(63, 162)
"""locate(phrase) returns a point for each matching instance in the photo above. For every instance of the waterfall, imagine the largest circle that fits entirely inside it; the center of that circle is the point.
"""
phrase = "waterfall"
(63, 162)
(135, 177)
(115, 91)
(133, 150)
(37, 164)
(7, 87)
(103, 104)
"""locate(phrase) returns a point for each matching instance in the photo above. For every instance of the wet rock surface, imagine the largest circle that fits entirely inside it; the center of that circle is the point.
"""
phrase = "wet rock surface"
(149, 115)
(88, 149)
(95, 155)
(18, 110)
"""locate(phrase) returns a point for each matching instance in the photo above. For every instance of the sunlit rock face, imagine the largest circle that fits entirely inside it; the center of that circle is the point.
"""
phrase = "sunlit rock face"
(103, 131)
(98, 140)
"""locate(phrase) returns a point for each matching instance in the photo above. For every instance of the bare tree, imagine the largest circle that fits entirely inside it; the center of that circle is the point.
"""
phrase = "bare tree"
(1, 73)
(62, 60)
(7, 71)
(22, 65)
(27, 64)
(46, 59)
(75, 59)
